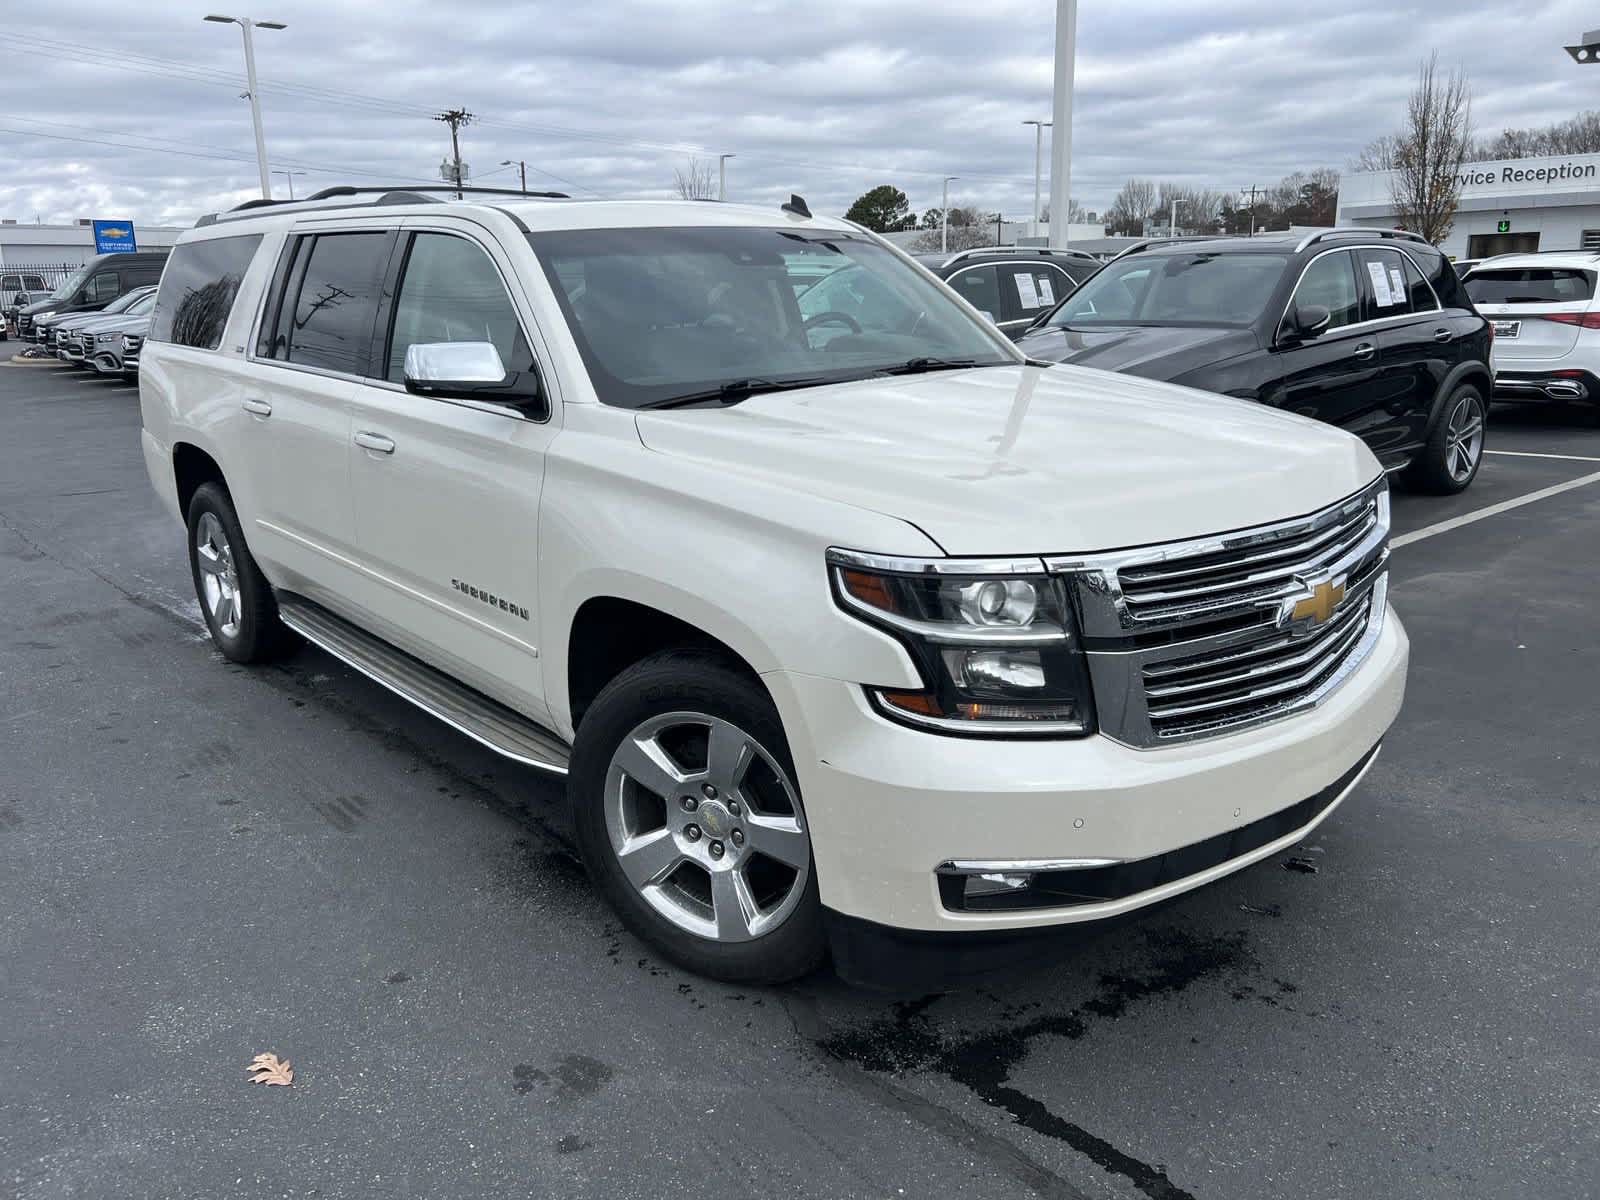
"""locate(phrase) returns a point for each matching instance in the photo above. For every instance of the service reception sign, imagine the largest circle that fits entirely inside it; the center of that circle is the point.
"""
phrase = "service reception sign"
(112, 237)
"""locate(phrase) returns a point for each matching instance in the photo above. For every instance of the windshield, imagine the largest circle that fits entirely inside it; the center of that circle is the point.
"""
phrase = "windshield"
(1176, 289)
(71, 285)
(1531, 285)
(666, 314)
(142, 305)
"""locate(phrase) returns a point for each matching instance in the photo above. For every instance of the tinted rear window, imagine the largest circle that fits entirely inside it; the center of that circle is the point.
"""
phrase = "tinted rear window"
(338, 302)
(198, 290)
(1530, 285)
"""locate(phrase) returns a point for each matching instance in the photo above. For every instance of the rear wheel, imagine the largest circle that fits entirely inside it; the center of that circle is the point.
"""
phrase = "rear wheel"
(234, 596)
(689, 819)
(1450, 459)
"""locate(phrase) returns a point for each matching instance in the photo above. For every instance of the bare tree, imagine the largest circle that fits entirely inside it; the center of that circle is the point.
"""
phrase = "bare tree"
(1133, 205)
(969, 229)
(1426, 183)
(696, 180)
(1577, 135)
(1377, 155)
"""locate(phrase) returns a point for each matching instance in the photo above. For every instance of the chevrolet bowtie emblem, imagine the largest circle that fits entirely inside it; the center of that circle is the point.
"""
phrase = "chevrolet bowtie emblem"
(1319, 605)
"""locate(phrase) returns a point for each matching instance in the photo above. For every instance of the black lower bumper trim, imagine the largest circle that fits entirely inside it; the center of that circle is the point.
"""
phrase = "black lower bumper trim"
(880, 956)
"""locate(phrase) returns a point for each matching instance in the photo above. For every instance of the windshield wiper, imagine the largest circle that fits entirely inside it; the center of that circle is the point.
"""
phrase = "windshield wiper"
(736, 390)
(919, 366)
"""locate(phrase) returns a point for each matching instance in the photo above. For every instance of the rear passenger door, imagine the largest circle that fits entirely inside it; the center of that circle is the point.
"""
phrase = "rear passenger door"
(1416, 347)
(1027, 290)
(447, 491)
(315, 342)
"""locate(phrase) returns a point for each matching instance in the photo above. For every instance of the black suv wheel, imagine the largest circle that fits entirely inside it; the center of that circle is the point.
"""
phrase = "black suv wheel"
(1454, 451)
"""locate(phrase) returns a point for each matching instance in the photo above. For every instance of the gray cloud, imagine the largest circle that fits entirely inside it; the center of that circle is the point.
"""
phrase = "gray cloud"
(607, 97)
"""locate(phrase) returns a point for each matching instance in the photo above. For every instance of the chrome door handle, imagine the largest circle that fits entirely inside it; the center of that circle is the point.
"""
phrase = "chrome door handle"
(258, 408)
(1442, 335)
(1365, 350)
(374, 441)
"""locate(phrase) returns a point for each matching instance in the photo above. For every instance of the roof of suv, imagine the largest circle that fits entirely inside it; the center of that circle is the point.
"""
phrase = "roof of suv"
(1276, 243)
(939, 259)
(1585, 260)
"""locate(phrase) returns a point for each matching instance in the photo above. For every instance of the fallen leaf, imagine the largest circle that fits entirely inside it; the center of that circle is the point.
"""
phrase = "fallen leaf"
(269, 1068)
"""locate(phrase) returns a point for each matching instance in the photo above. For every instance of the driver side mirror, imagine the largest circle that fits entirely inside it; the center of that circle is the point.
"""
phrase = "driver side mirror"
(1308, 321)
(468, 371)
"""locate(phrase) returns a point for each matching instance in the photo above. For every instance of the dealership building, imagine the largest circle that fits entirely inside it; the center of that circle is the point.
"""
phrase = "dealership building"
(1509, 207)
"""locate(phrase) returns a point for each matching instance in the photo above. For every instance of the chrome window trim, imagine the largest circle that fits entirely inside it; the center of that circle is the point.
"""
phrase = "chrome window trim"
(839, 556)
(1277, 332)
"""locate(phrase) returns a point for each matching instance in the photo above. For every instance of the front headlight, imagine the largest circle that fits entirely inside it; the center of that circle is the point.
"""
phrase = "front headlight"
(994, 641)
(108, 337)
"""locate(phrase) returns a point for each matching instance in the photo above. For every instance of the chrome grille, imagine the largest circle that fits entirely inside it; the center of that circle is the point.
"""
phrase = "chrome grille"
(1203, 637)
(1210, 693)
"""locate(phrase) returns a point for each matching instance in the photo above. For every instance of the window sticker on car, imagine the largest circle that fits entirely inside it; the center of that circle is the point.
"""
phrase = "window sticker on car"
(1397, 285)
(1026, 292)
(1047, 294)
(1380, 285)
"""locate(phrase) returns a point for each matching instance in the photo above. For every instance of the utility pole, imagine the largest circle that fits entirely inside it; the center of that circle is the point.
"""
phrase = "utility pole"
(289, 175)
(1252, 209)
(456, 118)
(1061, 118)
(1172, 224)
(1038, 150)
(999, 228)
(517, 162)
(944, 217)
(246, 24)
(722, 175)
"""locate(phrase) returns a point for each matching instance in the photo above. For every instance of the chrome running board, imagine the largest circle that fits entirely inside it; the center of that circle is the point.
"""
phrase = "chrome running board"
(462, 708)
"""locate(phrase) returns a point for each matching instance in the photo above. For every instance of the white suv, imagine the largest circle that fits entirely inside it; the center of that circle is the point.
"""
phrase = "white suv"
(1546, 324)
(846, 629)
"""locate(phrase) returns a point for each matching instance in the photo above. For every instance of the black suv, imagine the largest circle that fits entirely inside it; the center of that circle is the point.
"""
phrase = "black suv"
(1367, 329)
(1012, 285)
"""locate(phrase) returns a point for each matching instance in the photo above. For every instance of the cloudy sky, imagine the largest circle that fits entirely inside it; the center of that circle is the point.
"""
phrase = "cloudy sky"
(133, 110)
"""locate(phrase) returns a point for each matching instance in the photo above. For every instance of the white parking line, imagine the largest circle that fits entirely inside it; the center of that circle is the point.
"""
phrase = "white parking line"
(1533, 454)
(1416, 535)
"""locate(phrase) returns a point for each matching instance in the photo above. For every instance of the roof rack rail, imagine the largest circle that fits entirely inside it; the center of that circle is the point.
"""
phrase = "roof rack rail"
(415, 194)
(1045, 250)
(1146, 243)
(1311, 239)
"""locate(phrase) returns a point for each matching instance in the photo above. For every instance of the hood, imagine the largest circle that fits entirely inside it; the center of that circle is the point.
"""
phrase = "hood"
(39, 306)
(1028, 460)
(1154, 351)
(97, 322)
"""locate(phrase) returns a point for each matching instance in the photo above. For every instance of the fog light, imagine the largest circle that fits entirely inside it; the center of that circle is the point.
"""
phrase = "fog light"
(997, 884)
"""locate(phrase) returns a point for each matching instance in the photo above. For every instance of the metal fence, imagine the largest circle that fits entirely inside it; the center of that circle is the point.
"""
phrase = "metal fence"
(52, 274)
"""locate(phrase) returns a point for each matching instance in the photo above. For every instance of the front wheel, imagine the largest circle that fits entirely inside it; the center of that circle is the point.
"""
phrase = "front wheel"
(1454, 451)
(689, 819)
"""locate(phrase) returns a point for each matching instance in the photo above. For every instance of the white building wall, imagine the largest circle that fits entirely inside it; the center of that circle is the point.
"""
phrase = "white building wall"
(1557, 197)
(53, 245)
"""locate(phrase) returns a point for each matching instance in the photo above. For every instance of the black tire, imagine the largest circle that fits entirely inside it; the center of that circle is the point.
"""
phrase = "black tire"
(1437, 468)
(702, 682)
(253, 633)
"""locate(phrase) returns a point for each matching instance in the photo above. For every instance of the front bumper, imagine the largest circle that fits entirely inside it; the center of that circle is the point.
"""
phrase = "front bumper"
(887, 805)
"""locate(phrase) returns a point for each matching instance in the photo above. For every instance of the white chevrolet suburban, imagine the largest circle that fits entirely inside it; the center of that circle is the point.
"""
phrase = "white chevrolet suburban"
(848, 625)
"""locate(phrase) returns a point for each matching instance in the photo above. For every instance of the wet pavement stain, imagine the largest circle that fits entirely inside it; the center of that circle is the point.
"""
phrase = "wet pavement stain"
(571, 1144)
(908, 1041)
(574, 1077)
(398, 977)
(342, 812)
(1304, 866)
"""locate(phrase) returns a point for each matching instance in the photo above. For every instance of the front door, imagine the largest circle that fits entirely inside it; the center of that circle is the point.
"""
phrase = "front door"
(446, 491)
(1330, 377)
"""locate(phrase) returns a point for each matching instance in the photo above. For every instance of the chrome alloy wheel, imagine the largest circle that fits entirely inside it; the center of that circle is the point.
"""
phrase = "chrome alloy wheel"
(707, 826)
(1463, 445)
(219, 578)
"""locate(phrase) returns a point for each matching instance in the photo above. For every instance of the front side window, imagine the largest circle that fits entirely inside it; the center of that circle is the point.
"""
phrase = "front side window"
(979, 287)
(332, 313)
(1330, 281)
(198, 290)
(102, 287)
(663, 315)
(1195, 288)
(451, 292)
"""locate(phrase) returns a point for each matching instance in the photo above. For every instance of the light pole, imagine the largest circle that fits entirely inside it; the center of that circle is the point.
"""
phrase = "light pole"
(1172, 225)
(1587, 52)
(944, 216)
(722, 175)
(246, 24)
(1061, 118)
(289, 175)
(517, 162)
(1038, 149)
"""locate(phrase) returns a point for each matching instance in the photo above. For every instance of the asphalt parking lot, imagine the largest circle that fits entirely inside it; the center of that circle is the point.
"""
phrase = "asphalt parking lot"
(199, 862)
